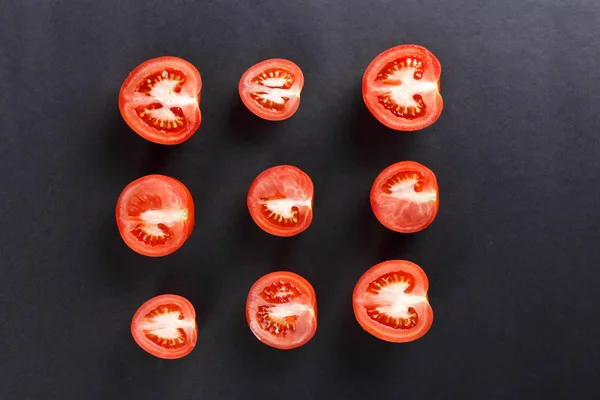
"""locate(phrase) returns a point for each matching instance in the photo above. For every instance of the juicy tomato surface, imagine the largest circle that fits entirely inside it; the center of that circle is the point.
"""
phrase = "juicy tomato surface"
(165, 326)
(281, 310)
(155, 215)
(160, 100)
(405, 197)
(401, 88)
(390, 301)
(280, 200)
(271, 89)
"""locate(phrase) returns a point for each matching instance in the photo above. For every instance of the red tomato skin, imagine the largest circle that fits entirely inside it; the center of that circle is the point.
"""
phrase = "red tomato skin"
(150, 347)
(293, 104)
(390, 171)
(189, 223)
(378, 331)
(312, 302)
(381, 114)
(136, 124)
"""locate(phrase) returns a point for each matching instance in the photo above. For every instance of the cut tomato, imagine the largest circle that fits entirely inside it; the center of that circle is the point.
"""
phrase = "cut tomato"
(281, 310)
(165, 326)
(390, 301)
(155, 215)
(401, 88)
(280, 200)
(405, 197)
(271, 89)
(160, 100)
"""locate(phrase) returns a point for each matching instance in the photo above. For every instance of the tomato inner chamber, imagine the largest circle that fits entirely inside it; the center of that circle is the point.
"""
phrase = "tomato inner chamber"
(163, 327)
(280, 316)
(280, 211)
(276, 83)
(165, 113)
(162, 118)
(403, 181)
(403, 76)
(392, 302)
(148, 209)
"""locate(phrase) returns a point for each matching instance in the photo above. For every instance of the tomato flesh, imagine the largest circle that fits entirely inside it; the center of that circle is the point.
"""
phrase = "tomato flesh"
(390, 301)
(165, 326)
(405, 197)
(401, 88)
(280, 200)
(160, 100)
(155, 215)
(271, 89)
(281, 310)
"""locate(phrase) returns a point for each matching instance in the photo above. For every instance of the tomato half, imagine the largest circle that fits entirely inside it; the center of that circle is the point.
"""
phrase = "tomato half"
(405, 197)
(280, 200)
(281, 310)
(271, 89)
(160, 100)
(401, 88)
(155, 215)
(390, 301)
(165, 326)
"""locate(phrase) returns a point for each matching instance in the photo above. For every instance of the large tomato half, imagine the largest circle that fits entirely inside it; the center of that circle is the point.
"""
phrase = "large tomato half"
(281, 310)
(405, 197)
(160, 100)
(271, 89)
(155, 215)
(165, 326)
(390, 301)
(401, 88)
(280, 200)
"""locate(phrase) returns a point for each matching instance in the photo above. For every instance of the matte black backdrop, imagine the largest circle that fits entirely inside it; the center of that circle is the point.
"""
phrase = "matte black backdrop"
(513, 257)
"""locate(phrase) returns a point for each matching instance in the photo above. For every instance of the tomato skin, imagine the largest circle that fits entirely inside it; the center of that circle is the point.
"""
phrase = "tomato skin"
(384, 332)
(159, 183)
(284, 180)
(307, 323)
(245, 89)
(382, 206)
(432, 74)
(138, 318)
(128, 99)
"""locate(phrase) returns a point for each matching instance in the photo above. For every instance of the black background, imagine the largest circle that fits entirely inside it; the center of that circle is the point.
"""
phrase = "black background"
(513, 257)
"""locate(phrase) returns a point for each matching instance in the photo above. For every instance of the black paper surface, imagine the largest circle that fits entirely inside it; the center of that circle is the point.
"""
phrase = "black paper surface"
(513, 258)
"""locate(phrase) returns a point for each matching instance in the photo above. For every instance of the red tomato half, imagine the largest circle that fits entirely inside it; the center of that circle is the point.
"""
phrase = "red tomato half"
(155, 215)
(271, 89)
(160, 100)
(280, 200)
(405, 197)
(165, 326)
(390, 301)
(401, 88)
(281, 310)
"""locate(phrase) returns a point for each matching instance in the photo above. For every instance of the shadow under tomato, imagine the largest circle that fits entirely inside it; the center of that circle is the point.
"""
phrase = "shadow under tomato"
(198, 289)
(259, 358)
(124, 151)
(246, 126)
(374, 141)
(121, 266)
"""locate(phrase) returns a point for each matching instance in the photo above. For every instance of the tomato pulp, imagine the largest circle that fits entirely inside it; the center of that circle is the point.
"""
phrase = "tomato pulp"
(390, 301)
(281, 310)
(160, 100)
(401, 88)
(271, 89)
(405, 197)
(280, 200)
(155, 215)
(165, 326)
